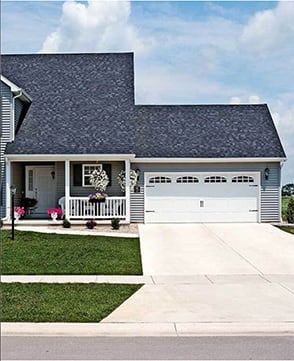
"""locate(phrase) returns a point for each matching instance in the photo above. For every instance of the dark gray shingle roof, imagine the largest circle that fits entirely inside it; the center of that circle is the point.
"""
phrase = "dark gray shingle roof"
(84, 104)
(207, 131)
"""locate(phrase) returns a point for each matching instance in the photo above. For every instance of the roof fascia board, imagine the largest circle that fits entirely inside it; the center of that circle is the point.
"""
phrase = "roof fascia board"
(16, 89)
(209, 160)
(63, 157)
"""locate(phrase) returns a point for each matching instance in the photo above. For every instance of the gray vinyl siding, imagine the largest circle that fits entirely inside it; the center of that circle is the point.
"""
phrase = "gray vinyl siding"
(60, 180)
(270, 189)
(113, 190)
(6, 116)
(18, 179)
(137, 206)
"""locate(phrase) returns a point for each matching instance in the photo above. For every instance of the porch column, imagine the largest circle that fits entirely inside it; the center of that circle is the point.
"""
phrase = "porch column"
(128, 193)
(67, 187)
(7, 184)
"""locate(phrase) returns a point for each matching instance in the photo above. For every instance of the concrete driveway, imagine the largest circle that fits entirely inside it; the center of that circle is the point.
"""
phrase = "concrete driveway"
(215, 249)
(214, 278)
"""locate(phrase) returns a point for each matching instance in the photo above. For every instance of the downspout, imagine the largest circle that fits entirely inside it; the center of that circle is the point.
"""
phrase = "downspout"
(13, 114)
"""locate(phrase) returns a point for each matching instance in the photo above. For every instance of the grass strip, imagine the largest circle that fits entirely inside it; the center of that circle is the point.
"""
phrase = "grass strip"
(41, 302)
(41, 253)
(289, 229)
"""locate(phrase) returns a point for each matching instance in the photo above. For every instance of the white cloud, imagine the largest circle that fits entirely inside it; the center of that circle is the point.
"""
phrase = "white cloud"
(270, 28)
(95, 26)
(235, 100)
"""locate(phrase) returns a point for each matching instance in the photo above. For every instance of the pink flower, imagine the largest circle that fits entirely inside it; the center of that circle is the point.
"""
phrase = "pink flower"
(20, 211)
(55, 210)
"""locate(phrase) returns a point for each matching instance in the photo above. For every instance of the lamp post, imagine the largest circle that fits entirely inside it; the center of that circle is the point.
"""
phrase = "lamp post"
(12, 192)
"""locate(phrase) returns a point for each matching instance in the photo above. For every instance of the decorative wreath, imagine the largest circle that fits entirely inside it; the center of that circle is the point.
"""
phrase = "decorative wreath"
(99, 180)
(122, 179)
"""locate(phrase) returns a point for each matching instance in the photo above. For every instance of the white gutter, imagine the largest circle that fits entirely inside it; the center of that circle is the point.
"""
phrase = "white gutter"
(63, 157)
(209, 160)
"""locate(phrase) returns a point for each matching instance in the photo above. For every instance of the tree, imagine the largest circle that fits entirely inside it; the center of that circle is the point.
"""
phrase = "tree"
(290, 211)
(288, 189)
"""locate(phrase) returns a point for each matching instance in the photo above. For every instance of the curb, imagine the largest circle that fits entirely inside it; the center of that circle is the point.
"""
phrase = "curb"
(146, 329)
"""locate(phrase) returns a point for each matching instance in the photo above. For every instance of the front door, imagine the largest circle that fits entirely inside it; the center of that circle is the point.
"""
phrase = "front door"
(40, 184)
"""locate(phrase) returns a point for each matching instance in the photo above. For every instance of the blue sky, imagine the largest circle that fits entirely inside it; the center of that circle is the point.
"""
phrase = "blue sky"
(185, 52)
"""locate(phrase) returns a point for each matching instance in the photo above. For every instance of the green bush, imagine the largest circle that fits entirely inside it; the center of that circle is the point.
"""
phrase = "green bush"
(66, 223)
(115, 223)
(290, 211)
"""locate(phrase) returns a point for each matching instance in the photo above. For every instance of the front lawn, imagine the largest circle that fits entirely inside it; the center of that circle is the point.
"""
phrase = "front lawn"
(42, 254)
(289, 229)
(41, 302)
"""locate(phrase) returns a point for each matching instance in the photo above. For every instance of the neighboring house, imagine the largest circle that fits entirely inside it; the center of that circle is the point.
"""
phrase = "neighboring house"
(202, 163)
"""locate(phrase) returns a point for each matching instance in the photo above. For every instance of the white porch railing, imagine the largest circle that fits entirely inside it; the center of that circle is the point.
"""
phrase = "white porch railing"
(80, 207)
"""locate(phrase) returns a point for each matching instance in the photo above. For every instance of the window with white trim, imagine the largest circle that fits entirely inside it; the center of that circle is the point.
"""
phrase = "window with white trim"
(187, 179)
(242, 179)
(88, 169)
(160, 180)
(215, 179)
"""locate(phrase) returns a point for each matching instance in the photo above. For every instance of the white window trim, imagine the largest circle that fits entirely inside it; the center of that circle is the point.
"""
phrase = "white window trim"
(95, 165)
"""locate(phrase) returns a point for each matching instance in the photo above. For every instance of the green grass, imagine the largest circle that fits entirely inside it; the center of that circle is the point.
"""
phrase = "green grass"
(41, 253)
(289, 229)
(285, 201)
(40, 302)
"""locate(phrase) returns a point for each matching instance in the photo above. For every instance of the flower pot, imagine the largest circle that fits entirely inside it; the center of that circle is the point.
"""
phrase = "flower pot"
(16, 217)
(101, 200)
(54, 216)
(93, 200)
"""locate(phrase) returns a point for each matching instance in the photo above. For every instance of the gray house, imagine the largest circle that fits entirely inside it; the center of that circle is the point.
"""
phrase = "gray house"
(64, 115)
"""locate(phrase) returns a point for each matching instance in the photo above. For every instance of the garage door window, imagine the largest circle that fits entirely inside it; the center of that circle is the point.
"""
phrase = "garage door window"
(242, 179)
(187, 179)
(159, 180)
(215, 179)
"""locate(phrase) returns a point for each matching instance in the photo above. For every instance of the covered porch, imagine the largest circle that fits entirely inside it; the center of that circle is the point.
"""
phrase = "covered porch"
(56, 181)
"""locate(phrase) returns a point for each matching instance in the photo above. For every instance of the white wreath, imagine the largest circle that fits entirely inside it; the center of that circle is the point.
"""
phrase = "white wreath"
(122, 179)
(99, 180)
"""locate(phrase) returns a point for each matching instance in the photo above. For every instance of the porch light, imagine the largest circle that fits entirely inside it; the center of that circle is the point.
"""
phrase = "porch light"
(138, 172)
(12, 193)
(266, 173)
(53, 174)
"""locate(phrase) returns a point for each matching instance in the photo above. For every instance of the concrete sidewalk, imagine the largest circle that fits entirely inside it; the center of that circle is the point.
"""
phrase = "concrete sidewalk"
(181, 306)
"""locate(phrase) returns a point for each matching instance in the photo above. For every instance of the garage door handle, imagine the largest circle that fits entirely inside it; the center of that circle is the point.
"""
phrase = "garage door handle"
(150, 211)
(253, 210)
(149, 186)
(253, 185)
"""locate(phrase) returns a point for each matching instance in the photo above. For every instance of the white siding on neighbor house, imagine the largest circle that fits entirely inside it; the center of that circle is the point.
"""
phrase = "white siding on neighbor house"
(270, 189)
(6, 118)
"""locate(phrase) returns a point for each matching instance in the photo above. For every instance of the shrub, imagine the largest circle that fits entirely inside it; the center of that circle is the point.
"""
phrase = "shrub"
(66, 223)
(115, 223)
(290, 211)
(91, 224)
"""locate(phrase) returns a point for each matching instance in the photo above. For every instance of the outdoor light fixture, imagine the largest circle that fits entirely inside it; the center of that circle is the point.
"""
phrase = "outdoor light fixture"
(137, 188)
(266, 173)
(53, 174)
(138, 172)
(12, 193)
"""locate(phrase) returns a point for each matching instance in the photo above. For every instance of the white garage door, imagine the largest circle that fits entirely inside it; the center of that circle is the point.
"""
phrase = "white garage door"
(214, 197)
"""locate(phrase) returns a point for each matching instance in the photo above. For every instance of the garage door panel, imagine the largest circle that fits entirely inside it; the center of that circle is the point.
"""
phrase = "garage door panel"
(202, 201)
